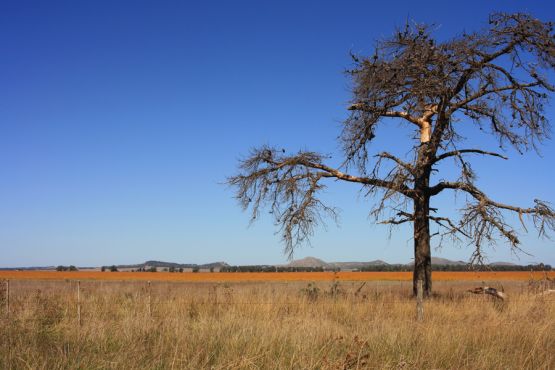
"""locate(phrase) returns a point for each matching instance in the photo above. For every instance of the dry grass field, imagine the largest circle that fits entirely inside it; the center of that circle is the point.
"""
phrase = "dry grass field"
(334, 324)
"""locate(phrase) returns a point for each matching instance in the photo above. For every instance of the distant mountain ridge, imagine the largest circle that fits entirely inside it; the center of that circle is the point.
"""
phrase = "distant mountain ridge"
(445, 261)
(316, 262)
(308, 262)
(503, 264)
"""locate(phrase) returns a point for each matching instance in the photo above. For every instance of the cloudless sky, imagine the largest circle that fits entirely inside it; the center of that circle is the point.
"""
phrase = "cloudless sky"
(120, 121)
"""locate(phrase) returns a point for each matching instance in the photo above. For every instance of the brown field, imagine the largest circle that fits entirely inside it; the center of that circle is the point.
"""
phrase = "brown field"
(270, 276)
(255, 322)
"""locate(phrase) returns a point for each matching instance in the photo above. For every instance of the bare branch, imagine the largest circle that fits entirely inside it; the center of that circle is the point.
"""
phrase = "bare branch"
(463, 151)
(288, 186)
(482, 92)
(395, 221)
(480, 219)
(400, 162)
(451, 225)
(363, 107)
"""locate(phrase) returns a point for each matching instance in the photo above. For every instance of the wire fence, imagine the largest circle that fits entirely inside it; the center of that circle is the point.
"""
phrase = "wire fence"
(150, 295)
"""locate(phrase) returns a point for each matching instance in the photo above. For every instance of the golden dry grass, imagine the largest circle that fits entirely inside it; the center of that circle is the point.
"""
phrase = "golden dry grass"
(270, 276)
(273, 325)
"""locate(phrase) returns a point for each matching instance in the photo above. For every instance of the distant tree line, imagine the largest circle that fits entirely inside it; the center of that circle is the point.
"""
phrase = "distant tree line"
(150, 269)
(385, 268)
(538, 267)
(112, 268)
(376, 268)
(268, 268)
(381, 268)
(462, 267)
(168, 269)
(67, 268)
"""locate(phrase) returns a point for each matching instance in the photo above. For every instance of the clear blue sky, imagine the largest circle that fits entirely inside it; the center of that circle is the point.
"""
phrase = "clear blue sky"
(120, 120)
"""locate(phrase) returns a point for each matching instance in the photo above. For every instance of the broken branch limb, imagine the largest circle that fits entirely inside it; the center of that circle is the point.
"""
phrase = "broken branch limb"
(488, 290)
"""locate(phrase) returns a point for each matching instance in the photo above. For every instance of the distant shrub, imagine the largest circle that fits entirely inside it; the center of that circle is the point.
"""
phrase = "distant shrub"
(66, 268)
(311, 292)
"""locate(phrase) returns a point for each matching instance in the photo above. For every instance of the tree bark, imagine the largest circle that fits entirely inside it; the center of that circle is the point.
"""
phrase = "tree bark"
(422, 254)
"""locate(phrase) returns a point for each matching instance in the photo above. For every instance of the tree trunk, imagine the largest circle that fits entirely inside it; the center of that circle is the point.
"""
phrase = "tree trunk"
(422, 254)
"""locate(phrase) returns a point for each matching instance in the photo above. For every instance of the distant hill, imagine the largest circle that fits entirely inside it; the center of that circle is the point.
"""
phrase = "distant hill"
(308, 262)
(445, 261)
(503, 264)
(357, 265)
(316, 262)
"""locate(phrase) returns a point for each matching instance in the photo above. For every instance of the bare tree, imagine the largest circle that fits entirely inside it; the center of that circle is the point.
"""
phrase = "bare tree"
(495, 79)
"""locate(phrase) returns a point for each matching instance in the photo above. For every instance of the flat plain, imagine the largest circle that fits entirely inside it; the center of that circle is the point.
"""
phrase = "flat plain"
(270, 276)
(95, 320)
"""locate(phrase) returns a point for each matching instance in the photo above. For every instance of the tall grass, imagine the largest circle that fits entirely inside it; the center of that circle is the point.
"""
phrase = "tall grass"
(272, 326)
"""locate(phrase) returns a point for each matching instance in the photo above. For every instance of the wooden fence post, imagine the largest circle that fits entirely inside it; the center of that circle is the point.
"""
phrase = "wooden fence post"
(419, 301)
(79, 302)
(7, 297)
(149, 300)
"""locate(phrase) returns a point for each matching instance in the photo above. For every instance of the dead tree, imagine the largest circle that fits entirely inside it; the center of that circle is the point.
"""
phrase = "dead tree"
(494, 79)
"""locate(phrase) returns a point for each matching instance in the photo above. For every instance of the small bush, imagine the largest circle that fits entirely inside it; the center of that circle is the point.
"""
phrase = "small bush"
(311, 292)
